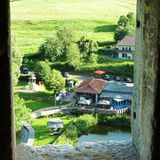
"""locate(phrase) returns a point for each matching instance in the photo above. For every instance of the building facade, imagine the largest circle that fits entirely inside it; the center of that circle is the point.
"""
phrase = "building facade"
(126, 47)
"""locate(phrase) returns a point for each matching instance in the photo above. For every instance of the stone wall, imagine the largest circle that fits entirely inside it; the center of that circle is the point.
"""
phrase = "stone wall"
(85, 151)
(146, 72)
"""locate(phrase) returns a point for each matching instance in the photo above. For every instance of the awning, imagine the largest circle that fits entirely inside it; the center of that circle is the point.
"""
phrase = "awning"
(115, 95)
(84, 101)
(119, 100)
(104, 102)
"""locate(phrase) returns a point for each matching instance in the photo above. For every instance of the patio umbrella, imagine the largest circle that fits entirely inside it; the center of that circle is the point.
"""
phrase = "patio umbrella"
(99, 72)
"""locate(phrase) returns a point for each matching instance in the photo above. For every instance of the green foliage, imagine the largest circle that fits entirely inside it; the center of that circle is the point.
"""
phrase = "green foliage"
(87, 47)
(50, 49)
(39, 100)
(84, 122)
(42, 135)
(22, 114)
(42, 70)
(120, 33)
(114, 120)
(73, 56)
(66, 36)
(80, 126)
(58, 44)
(16, 60)
(125, 26)
(56, 82)
(93, 58)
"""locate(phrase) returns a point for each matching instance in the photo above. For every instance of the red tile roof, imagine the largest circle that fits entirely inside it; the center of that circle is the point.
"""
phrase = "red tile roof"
(127, 41)
(91, 85)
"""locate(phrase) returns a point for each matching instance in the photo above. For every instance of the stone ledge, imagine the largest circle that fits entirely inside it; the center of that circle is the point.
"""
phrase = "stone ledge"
(112, 150)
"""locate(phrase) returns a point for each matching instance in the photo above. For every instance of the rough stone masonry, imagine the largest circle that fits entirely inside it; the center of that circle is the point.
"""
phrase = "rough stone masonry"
(112, 150)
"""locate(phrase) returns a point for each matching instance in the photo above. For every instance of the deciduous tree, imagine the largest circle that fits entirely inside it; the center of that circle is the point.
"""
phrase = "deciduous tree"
(73, 56)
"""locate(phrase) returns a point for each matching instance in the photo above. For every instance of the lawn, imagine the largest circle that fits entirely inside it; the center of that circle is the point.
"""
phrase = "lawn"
(39, 100)
(34, 20)
(42, 135)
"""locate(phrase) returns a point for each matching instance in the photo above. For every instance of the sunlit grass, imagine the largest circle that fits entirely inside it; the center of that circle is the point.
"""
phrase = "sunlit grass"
(34, 20)
(42, 135)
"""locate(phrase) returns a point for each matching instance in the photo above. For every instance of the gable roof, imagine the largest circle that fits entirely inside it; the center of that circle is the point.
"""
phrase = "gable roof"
(127, 41)
(91, 85)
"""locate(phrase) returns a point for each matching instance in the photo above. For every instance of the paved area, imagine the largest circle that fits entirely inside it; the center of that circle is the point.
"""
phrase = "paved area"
(80, 77)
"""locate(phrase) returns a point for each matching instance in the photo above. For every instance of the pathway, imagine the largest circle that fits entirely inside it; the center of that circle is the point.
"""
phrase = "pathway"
(49, 111)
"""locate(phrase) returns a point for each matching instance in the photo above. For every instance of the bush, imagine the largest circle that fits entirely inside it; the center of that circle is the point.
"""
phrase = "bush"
(114, 120)
(22, 114)
(84, 122)
(77, 128)
(42, 70)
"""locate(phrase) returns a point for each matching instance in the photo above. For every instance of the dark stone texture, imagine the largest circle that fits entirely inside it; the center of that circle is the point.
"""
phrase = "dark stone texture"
(6, 113)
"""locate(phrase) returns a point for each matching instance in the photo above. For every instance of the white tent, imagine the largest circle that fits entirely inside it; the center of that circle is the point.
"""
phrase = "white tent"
(55, 123)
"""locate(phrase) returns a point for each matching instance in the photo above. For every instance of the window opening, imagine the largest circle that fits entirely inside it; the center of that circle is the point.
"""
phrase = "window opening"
(57, 48)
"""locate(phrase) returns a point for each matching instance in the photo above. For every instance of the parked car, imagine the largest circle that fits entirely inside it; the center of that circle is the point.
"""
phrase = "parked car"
(66, 74)
(128, 80)
(59, 96)
(106, 77)
(117, 78)
(24, 70)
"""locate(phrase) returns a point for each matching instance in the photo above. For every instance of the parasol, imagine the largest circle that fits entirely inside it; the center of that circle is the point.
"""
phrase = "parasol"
(99, 72)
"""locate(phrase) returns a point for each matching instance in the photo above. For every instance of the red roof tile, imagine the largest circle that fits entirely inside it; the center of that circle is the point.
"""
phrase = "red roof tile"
(91, 85)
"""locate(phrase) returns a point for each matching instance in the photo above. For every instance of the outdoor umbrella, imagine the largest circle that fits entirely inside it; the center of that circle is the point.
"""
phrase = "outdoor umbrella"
(99, 72)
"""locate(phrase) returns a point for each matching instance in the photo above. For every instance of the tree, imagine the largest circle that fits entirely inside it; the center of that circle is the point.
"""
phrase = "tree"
(73, 56)
(22, 114)
(93, 58)
(16, 60)
(56, 82)
(42, 70)
(57, 45)
(66, 35)
(120, 33)
(125, 26)
(87, 47)
(50, 49)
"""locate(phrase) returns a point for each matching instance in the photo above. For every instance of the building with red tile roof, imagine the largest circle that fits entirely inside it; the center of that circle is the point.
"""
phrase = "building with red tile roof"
(91, 85)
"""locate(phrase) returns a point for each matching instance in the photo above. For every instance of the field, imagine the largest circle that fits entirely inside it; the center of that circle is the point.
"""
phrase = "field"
(34, 20)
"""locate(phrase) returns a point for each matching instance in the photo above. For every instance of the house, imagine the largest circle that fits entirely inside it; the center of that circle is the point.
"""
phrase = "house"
(118, 95)
(89, 90)
(126, 47)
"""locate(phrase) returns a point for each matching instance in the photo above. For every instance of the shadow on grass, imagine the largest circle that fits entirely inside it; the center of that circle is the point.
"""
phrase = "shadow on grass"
(105, 28)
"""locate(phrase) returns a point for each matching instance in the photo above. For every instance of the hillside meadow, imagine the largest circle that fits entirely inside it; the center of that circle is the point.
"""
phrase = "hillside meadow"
(34, 20)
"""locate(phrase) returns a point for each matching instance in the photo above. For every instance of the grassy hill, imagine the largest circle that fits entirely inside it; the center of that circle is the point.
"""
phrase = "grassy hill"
(34, 20)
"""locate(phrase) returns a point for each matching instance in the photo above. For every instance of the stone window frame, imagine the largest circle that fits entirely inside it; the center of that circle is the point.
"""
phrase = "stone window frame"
(148, 35)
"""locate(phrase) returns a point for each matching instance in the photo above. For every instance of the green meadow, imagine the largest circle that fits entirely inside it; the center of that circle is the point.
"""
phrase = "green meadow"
(34, 20)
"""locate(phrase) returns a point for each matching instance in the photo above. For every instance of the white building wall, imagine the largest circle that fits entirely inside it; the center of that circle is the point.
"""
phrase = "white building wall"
(125, 48)
(128, 55)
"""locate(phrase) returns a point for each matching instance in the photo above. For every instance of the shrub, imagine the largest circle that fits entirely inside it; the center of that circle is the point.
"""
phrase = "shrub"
(22, 114)
(77, 128)
(42, 70)
(84, 122)
(114, 120)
